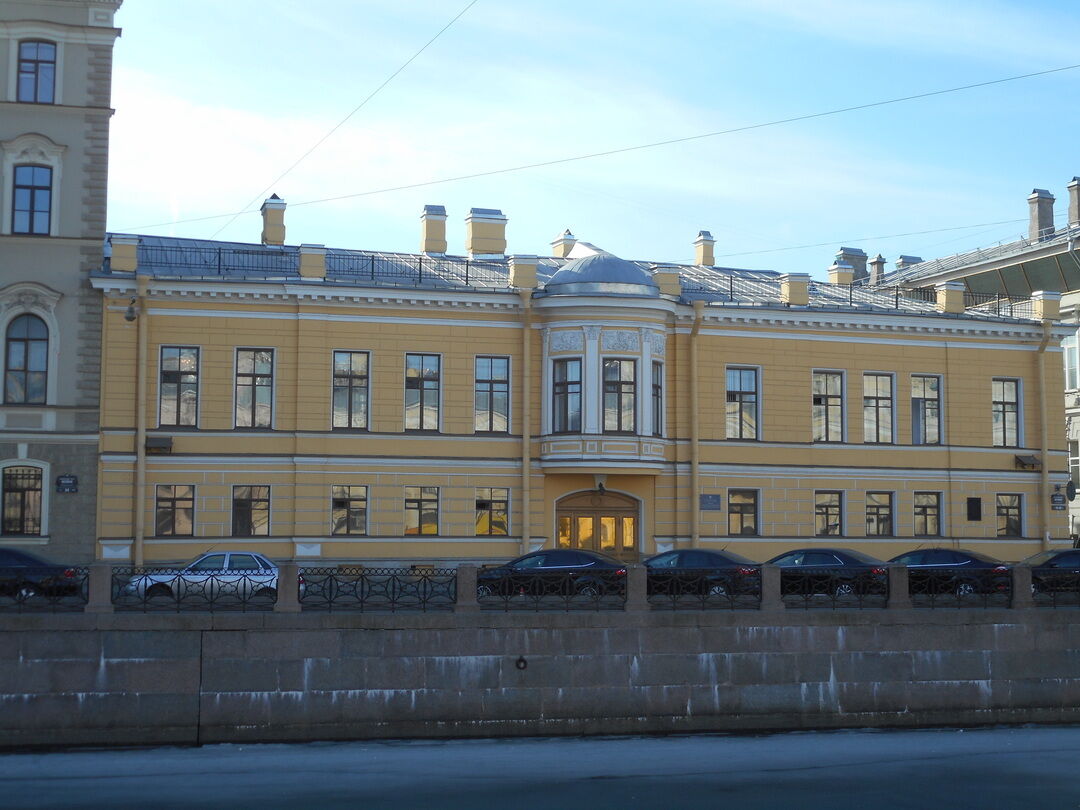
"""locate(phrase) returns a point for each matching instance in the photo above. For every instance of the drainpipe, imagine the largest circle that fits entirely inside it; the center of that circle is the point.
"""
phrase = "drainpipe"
(1044, 471)
(695, 455)
(143, 317)
(526, 420)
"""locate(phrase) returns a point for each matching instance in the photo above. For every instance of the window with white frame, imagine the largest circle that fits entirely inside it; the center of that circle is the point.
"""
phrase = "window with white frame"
(927, 514)
(36, 82)
(828, 406)
(879, 514)
(742, 403)
(178, 388)
(26, 361)
(350, 394)
(620, 395)
(491, 395)
(1005, 408)
(925, 409)
(877, 408)
(254, 388)
(422, 386)
(1009, 515)
(1069, 357)
(657, 399)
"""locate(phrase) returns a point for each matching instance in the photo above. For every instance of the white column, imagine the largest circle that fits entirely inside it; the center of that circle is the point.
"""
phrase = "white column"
(592, 386)
(644, 384)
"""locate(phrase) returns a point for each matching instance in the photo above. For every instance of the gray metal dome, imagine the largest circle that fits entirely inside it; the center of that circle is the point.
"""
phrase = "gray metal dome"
(601, 274)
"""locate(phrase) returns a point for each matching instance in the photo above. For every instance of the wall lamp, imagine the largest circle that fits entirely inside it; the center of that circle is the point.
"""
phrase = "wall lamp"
(129, 313)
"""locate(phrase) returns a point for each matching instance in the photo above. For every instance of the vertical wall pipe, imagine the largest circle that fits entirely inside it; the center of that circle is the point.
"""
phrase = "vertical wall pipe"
(143, 317)
(695, 455)
(526, 420)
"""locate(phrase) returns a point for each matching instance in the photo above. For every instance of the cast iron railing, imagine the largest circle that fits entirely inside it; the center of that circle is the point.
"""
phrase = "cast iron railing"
(177, 590)
(210, 260)
(951, 588)
(48, 589)
(541, 591)
(378, 589)
(1055, 588)
(399, 269)
(847, 587)
(705, 588)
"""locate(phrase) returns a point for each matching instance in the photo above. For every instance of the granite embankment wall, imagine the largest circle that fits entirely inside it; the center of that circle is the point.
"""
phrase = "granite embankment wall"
(144, 679)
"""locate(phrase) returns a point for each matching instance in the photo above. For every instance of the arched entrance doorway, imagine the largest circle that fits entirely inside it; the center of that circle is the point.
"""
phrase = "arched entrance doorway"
(598, 521)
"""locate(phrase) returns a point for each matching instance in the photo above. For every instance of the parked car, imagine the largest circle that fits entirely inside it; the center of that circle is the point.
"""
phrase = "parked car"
(24, 576)
(554, 572)
(702, 572)
(212, 576)
(835, 572)
(956, 571)
(1055, 571)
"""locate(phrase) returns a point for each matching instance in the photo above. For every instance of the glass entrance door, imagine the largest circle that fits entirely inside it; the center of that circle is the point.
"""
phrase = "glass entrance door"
(606, 523)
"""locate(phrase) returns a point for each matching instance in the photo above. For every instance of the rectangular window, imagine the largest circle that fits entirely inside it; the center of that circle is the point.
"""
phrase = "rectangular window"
(175, 510)
(742, 511)
(877, 408)
(421, 510)
(742, 403)
(925, 409)
(21, 488)
(1069, 356)
(492, 510)
(350, 394)
(254, 387)
(348, 509)
(828, 516)
(31, 206)
(657, 399)
(251, 511)
(178, 390)
(927, 514)
(1074, 462)
(37, 72)
(879, 522)
(620, 395)
(566, 396)
(828, 409)
(1009, 517)
(422, 381)
(491, 397)
(1006, 412)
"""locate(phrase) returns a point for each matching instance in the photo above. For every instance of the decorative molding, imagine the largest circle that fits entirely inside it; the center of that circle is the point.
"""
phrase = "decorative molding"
(656, 342)
(566, 340)
(29, 296)
(591, 332)
(620, 340)
(31, 147)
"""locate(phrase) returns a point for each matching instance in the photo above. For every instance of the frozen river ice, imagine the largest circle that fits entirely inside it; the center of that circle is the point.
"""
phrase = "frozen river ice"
(990, 769)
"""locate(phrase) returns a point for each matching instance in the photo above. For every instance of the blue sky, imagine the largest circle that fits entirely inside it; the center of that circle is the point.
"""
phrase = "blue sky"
(215, 99)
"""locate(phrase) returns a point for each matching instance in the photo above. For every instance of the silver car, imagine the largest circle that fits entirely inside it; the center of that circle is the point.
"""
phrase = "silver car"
(215, 577)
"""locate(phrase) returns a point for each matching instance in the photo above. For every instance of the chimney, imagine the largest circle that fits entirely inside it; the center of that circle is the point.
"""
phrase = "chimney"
(856, 258)
(1074, 202)
(904, 262)
(485, 232)
(523, 271)
(562, 246)
(312, 261)
(877, 270)
(1047, 305)
(125, 254)
(273, 214)
(433, 230)
(668, 280)
(950, 296)
(840, 272)
(703, 249)
(795, 289)
(1041, 214)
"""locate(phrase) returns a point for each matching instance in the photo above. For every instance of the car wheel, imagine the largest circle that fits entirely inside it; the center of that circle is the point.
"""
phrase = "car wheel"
(158, 590)
(718, 589)
(484, 592)
(589, 591)
(845, 589)
(965, 589)
(25, 593)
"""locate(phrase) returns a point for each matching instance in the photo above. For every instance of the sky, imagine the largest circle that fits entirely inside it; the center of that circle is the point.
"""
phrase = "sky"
(215, 100)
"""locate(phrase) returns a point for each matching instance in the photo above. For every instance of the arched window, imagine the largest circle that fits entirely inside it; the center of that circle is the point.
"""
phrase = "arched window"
(37, 72)
(21, 487)
(31, 205)
(26, 361)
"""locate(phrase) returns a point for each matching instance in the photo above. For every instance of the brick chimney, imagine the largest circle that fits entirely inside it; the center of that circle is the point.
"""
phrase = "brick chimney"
(485, 232)
(433, 229)
(703, 249)
(273, 216)
(562, 246)
(1041, 214)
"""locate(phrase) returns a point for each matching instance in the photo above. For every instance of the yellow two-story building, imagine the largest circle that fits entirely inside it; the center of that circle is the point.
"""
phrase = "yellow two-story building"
(350, 404)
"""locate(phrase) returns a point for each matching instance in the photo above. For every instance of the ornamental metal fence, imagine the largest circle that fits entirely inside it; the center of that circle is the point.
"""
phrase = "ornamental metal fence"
(856, 587)
(359, 588)
(1052, 588)
(174, 590)
(949, 588)
(555, 591)
(704, 588)
(45, 589)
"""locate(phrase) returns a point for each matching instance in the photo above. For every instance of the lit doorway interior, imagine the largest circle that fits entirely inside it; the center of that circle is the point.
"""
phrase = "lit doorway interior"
(598, 521)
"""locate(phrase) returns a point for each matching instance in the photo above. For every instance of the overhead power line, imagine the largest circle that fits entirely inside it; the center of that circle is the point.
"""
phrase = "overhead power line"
(636, 148)
(342, 122)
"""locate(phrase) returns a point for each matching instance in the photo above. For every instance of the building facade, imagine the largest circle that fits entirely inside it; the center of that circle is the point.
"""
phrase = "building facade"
(55, 82)
(346, 404)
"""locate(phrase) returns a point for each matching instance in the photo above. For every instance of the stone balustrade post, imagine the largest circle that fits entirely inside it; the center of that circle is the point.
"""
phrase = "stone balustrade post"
(637, 587)
(288, 588)
(99, 588)
(1021, 587)
(466, 589)
(771, 596)
(899, 588)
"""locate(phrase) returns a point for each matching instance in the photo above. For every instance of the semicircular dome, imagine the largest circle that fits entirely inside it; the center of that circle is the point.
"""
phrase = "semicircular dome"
(602, 273)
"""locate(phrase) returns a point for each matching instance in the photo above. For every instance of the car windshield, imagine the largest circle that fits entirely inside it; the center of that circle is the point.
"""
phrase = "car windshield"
(1042, 558)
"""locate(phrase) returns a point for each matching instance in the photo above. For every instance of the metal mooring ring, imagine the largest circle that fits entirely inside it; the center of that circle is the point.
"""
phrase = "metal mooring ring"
(521, 663)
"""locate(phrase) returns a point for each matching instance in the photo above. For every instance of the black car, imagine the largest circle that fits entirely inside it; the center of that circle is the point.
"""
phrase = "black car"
(837, 572)
(702, 572)
(24, 576)
(955, 571)
(1055, 571)
(554, 572)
